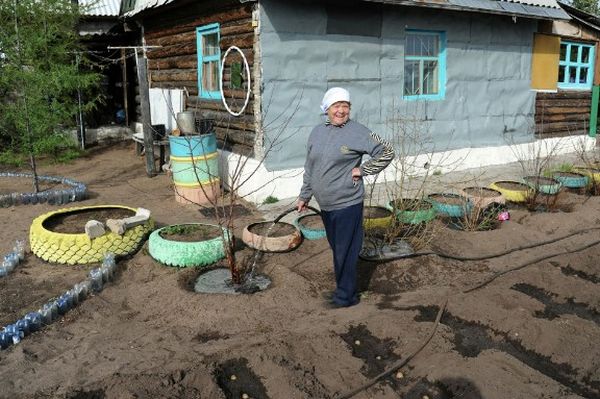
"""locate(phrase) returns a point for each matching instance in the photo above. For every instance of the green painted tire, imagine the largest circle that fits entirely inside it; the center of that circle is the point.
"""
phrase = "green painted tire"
(75, 249)
(412, 211)
(186, 254)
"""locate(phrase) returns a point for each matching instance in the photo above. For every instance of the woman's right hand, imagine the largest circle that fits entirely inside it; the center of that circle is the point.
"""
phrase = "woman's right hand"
(302, 205)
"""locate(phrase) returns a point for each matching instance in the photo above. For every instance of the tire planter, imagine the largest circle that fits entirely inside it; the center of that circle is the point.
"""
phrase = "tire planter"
(412, 211)
(571, 179)
(451, 205)
(77, 192)
(513, 191)
(592, 173)
(481, 197)
(186, 254)
(544, 185)
(377, 217)
(79, 248)
(310, 233)
(282, 243)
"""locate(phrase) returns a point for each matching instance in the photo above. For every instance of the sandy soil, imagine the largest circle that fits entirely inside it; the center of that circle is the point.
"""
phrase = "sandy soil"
(531, 333)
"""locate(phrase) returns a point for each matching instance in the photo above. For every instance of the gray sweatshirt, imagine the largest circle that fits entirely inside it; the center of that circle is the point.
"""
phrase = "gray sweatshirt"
(333, 151)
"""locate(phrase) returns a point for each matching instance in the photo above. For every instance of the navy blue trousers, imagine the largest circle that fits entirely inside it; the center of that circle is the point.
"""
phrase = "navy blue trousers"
(344, 228)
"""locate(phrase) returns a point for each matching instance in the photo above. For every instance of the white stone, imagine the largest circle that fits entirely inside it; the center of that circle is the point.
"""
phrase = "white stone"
(143, 212)
(117, 226)
(94, 228)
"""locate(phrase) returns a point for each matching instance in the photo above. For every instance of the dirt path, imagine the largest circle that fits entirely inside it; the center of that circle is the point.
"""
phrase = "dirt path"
(532, 333)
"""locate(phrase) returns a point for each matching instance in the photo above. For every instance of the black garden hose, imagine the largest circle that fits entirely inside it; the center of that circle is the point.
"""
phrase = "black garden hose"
(484, 257)
(278, 218)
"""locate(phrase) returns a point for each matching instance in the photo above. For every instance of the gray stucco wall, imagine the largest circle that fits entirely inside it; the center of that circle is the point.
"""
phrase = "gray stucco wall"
(488, 100)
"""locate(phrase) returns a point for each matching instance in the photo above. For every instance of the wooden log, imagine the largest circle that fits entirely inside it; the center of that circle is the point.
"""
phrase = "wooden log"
(240, 13)
(239, 41)
(173, 75)
(559, 126)
(242, 27)
(179, 62)
(563, 102)
(217, 106)
(179, 38)
(564, 95)
(173, 50)
(190, 86)
(190, 61)
(562, 118)
(562, 110)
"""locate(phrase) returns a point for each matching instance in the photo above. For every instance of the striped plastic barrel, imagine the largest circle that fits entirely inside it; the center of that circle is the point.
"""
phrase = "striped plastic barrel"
(195, 168)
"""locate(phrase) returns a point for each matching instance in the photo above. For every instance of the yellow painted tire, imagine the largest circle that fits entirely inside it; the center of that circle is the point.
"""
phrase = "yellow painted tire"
(510, 194)
(592, 173)
(79, 248)
(378, 222)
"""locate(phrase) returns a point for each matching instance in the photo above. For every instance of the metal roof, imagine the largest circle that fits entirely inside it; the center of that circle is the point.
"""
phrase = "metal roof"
(519, 8)
(539, 9)
(590, 20)
(100, 8)
(141, 5)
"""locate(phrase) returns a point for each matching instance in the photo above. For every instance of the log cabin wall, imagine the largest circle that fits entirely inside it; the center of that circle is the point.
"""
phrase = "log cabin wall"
(175, 63)
(564, 113)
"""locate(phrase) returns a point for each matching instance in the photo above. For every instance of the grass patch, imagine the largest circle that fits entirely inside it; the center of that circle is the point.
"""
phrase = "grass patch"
(270, 200)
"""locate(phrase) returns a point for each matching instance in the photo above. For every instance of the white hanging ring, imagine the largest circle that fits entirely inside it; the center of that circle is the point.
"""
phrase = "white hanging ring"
(248, 80)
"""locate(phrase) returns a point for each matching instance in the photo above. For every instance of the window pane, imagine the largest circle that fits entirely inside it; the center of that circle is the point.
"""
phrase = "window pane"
(574, 50)
(561, 74)
(583, 72)
(572, 74)
(411, 78)
(210, 44)
(430, 77)
(422, 45)
(563, 52)
(210, 76)
(585, 55)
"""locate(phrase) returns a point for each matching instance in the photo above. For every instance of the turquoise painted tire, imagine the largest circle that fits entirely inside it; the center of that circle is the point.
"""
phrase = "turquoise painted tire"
(308, 232)
(551, 187)
(450, 209)
(186, 254)
(571, 179)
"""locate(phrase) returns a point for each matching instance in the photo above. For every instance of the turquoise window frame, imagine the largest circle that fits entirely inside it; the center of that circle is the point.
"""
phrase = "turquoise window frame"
(441, 61)
(202, 59)
(578, 64)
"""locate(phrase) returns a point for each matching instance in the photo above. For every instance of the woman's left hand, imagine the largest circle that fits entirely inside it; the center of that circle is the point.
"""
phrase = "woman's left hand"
(356, 175)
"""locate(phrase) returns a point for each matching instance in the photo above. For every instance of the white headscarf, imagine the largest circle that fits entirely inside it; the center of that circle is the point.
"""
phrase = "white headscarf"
(334, 95)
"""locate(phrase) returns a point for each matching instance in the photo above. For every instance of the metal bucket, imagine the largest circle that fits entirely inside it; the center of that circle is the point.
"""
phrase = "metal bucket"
(186, 122)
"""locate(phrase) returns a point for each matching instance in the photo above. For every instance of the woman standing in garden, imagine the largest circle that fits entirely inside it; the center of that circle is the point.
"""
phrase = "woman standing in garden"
(333, 175)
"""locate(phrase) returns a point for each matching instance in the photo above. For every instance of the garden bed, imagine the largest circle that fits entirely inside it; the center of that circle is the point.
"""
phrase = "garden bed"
(144, 336)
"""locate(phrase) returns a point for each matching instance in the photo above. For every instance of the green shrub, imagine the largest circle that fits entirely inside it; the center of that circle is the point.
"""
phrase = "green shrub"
(270, 200)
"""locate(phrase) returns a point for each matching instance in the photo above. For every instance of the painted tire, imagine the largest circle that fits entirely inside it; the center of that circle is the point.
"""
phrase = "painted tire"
(74, 249)
(592, 173)
(571, 179)
(378, 222)
(308, 232)
(271, 244)
(416, 216)
(512, 194)
(548, 189)
(451, 210)
(185, 254)
(482, 201)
